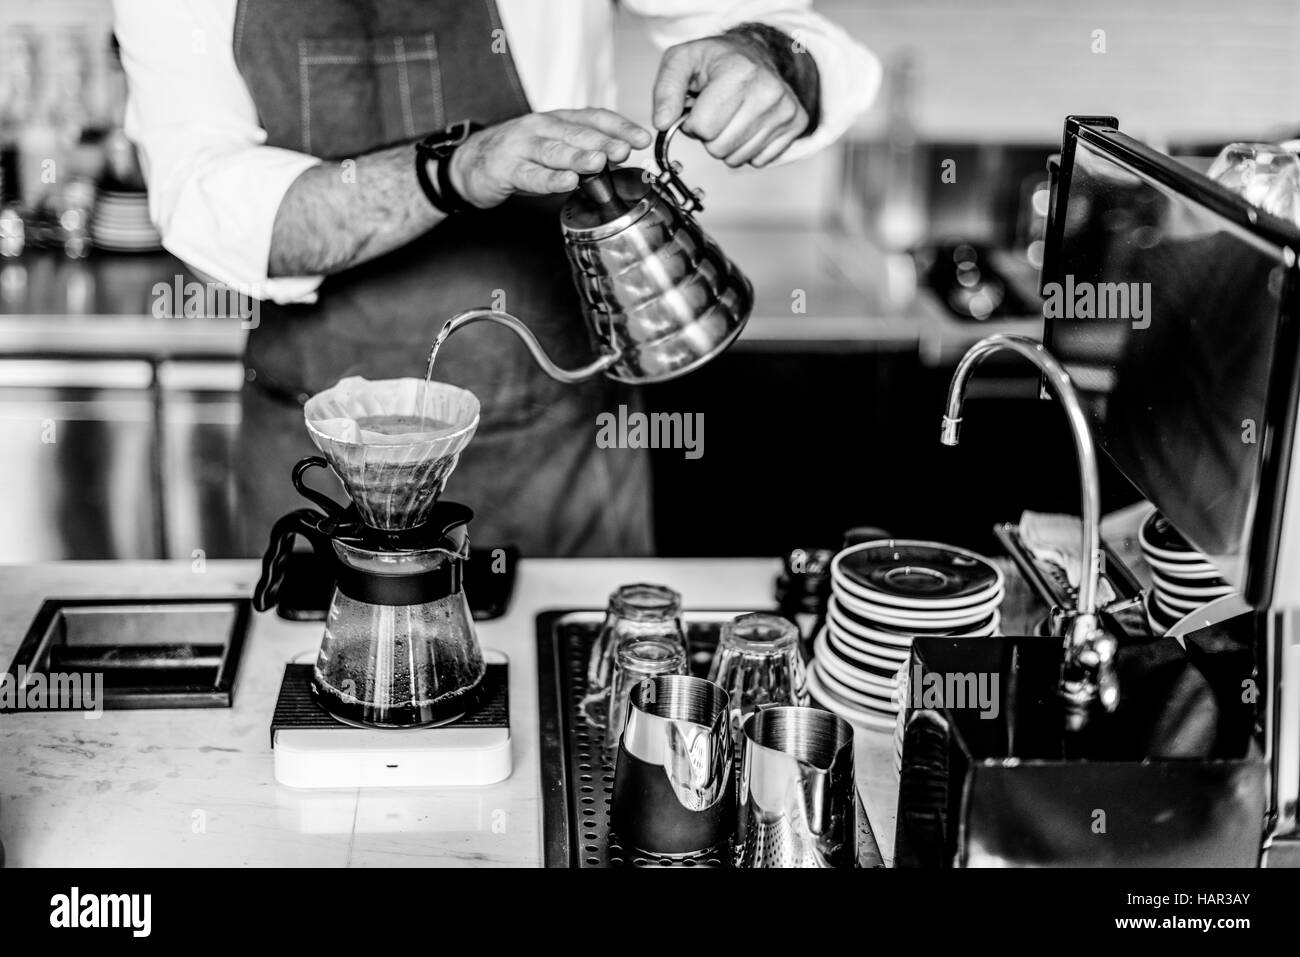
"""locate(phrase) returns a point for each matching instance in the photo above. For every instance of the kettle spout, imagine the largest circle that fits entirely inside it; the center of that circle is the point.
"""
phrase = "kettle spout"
(515, 325)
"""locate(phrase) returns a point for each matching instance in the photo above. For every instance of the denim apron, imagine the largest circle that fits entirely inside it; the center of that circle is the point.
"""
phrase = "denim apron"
(337, 78)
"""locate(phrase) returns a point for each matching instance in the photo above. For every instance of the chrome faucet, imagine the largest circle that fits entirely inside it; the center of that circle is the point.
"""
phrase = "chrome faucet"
(1088, 667)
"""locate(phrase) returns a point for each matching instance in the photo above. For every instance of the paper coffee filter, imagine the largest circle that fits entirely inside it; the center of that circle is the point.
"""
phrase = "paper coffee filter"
(394, 480)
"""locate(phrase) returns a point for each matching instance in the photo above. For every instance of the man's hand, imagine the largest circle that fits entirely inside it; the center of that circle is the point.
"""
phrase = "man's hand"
(743, 112)
(541, 153)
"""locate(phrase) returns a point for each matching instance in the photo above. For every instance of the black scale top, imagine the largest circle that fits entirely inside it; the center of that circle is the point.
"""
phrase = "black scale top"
(297, 709)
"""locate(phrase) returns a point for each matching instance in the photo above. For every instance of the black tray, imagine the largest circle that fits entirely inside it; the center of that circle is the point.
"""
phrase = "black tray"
(578, 781)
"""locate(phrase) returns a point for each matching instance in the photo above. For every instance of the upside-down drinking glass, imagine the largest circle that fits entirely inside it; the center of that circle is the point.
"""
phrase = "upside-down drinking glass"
(635, 611)
(758, 664)
(637, 660)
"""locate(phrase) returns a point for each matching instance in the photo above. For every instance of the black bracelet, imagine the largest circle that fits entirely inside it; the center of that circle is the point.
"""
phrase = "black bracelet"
(791, 61)
(426, 184)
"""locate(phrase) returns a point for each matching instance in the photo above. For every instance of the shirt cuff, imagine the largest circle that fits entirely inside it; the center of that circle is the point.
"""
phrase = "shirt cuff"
(849, 77)
(222, 218)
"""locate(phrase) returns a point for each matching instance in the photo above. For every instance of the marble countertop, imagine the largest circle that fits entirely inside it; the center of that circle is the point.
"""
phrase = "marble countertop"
(195, 787)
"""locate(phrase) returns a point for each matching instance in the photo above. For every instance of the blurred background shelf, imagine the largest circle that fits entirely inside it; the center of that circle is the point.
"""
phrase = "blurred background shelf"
(825, 412)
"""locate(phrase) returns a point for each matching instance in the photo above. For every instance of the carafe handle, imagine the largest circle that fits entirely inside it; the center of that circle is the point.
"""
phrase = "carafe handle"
(303, 521)
(690, 200)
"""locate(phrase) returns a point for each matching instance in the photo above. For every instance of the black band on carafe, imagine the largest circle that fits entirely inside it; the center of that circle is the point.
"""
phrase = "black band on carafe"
(412, 589)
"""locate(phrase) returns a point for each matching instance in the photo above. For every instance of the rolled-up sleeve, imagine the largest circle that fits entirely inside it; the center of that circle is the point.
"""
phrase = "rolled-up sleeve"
(849, 73)
(214, 186)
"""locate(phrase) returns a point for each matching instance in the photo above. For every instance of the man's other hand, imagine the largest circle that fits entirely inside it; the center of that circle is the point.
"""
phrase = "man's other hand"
(541, 153)
(743, 111)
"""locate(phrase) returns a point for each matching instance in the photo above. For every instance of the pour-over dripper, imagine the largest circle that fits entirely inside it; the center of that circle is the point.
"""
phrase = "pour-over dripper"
(392, 442)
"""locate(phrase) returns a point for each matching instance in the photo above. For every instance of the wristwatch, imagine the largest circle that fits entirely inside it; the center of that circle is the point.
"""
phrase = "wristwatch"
(439, 146)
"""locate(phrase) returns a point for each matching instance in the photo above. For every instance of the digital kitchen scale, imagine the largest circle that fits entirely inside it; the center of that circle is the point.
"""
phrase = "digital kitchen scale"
(313, 749)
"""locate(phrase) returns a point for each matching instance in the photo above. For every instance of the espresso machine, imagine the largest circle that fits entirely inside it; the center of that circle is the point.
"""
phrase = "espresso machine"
(1114, 746)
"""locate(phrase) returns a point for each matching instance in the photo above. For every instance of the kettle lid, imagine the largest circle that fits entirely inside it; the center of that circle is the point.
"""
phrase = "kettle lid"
(606, 203)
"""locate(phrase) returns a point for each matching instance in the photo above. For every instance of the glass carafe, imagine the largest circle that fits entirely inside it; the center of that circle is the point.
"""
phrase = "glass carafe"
(407, 664)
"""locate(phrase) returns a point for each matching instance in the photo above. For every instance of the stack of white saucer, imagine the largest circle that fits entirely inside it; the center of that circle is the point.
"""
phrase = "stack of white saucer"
(883, 593)
(121, 222)
(1183, 580)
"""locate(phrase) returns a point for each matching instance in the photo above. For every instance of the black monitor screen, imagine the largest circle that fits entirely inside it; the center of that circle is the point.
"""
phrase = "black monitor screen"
(1166, 314)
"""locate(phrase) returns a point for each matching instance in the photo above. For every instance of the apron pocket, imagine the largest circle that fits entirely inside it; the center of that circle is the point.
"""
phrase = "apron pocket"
(355, 94)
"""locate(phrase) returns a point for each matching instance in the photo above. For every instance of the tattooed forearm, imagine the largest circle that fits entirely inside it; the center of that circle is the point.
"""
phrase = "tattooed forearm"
(337, 215)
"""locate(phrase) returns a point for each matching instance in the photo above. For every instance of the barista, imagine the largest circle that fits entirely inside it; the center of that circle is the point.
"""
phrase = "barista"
(369, 168)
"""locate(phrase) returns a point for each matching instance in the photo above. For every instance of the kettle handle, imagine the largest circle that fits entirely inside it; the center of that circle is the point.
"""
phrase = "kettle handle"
(690, 200)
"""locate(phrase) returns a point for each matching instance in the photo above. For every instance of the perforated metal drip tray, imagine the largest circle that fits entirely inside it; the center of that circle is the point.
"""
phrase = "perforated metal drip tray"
(577, 780)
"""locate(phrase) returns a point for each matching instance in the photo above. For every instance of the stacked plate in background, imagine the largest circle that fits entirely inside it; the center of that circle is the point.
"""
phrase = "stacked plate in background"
(882, 594)
(1183, 580)
(121, 222)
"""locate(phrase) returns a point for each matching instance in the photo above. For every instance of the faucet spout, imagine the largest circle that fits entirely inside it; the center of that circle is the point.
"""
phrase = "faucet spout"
(517, 326)
(1088, 673)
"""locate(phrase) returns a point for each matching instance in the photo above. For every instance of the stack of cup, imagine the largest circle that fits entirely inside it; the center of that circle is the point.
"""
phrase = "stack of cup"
(1182, 578)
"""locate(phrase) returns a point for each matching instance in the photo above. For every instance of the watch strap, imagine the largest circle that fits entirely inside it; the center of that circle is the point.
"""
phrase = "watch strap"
(427, 185)
(451, 198)
(439, 147)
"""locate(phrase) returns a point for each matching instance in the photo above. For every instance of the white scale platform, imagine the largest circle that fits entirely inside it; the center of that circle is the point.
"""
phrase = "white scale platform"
(312, 749)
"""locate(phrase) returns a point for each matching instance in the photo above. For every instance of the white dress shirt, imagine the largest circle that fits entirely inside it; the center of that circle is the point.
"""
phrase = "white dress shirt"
(215, 186)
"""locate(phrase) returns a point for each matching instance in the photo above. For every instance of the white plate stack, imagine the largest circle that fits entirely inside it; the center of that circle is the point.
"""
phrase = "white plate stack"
(1182, 579)
(882, 594)
(121, 222)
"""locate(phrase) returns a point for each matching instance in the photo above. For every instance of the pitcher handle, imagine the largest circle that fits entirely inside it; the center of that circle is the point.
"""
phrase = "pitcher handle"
(691, 200)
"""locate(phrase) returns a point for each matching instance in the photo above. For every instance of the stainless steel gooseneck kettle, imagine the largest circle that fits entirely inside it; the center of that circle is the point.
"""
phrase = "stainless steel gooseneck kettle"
(659, 297)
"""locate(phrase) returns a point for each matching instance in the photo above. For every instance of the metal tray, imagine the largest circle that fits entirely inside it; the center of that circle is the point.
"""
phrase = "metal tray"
(149, 652)
(577, 781)
(1049, 582)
